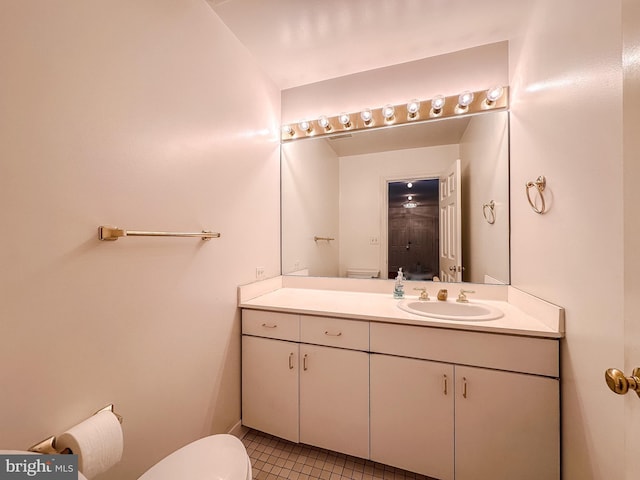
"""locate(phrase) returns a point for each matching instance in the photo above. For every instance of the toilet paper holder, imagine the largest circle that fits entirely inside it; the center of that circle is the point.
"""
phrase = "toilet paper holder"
(48, 446)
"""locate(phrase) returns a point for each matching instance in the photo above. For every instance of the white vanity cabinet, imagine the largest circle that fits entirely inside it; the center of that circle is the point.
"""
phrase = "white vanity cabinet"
(503, 424)
(412, 416)
(315, 392)
(334, 384)
(270, 386)
(447, 403)
(507, 425)
(270, 353)
(334, 399)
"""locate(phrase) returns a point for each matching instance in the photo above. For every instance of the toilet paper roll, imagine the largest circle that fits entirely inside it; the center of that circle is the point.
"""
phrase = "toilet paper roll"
(97, 441)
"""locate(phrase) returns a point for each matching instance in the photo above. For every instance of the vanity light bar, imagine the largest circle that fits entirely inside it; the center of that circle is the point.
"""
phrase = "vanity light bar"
(467, 103)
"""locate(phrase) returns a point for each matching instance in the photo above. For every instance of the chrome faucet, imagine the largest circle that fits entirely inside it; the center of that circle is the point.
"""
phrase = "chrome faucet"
(423, 293)
(462, 297)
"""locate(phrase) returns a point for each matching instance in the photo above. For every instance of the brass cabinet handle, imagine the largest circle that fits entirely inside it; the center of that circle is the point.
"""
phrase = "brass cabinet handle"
(304, 362)
(445, 384)
(620, 384)
(291, 361)
(332, 334)
(269, 326)
(464, 387)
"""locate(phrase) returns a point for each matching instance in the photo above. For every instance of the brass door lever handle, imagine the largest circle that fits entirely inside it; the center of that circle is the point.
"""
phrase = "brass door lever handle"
(620, 384)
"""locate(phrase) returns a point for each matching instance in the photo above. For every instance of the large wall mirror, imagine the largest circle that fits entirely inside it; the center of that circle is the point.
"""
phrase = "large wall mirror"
(431, 197)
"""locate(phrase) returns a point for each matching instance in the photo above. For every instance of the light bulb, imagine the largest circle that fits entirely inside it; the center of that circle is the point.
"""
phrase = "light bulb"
(344, 120)
(494, 94)
(388, 111)
(323, 121)
(409, 185)
(287, 130)
(413, 107)
(409, 198)
(304, 126)
(437, 103)
(465, 99)
(366, 116)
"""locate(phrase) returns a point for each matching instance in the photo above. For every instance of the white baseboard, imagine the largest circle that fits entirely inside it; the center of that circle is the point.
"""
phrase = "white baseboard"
(238, 430)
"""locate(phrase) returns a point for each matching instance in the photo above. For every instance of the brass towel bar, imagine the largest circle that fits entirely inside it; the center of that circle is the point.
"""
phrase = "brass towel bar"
(48, 445)
(326, 239)
(113, 233)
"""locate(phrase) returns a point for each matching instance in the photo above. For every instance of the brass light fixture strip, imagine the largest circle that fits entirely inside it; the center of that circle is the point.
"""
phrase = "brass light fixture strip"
(401, 116)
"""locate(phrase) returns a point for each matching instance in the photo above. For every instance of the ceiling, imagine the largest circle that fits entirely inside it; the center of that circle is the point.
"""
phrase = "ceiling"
(422, 192)
(298, 42)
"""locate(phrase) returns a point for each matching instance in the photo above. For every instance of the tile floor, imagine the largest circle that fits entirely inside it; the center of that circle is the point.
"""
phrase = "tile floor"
(275, 459)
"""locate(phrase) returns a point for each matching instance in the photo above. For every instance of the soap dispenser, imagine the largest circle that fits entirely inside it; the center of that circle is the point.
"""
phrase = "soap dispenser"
(398, 289)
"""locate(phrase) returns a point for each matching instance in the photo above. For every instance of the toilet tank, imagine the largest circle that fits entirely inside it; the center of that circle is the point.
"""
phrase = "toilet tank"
(362, 273)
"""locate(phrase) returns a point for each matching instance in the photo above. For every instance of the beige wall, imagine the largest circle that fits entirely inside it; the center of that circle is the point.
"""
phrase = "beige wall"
(485, 246)
(472, 69)
(566, 124)
(310, 208)
(363, 193)
(146, 115)
(631, 92)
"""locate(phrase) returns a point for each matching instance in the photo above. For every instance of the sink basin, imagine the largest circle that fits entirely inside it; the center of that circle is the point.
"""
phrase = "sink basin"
(451, 310)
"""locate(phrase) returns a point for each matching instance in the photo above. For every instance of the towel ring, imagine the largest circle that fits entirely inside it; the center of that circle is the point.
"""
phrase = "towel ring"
(539, 184)
(489, 213)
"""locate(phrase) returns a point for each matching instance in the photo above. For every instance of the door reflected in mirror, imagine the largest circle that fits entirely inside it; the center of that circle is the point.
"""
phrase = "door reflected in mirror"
(343, 188)
(413, 228)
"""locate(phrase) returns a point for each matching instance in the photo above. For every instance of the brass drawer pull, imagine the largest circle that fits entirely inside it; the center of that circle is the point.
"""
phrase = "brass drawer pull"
(333, 334)
(464, 387)
(445, 384)
(269, 326)
(304, 362)
(291, 361)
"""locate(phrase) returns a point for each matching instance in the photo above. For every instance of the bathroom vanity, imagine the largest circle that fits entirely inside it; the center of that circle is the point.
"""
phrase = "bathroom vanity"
(351, 372)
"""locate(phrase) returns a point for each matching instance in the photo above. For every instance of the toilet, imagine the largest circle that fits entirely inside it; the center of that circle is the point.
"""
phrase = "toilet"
(362, 273)
(221, 456)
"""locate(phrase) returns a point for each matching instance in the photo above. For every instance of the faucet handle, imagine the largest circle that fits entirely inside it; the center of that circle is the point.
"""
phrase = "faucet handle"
(462, 297)
(423, 293)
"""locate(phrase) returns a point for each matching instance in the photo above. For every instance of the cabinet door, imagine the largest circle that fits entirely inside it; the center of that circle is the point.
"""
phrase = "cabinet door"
(334, 399)
(270, 386)
(507, 426)
(412, 415)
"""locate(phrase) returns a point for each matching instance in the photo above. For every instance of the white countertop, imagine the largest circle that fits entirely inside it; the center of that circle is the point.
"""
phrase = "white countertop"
(382, 307)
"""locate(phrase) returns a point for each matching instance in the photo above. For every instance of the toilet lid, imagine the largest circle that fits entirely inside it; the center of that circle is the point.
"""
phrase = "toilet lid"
(20, 452)
(218, 457)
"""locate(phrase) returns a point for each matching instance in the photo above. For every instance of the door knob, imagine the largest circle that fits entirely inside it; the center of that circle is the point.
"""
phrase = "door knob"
(620, 384)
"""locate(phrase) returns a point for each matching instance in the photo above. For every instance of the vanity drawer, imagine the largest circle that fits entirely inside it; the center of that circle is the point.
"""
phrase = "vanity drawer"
(283, 326)
(335, 332)
(539, 356)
